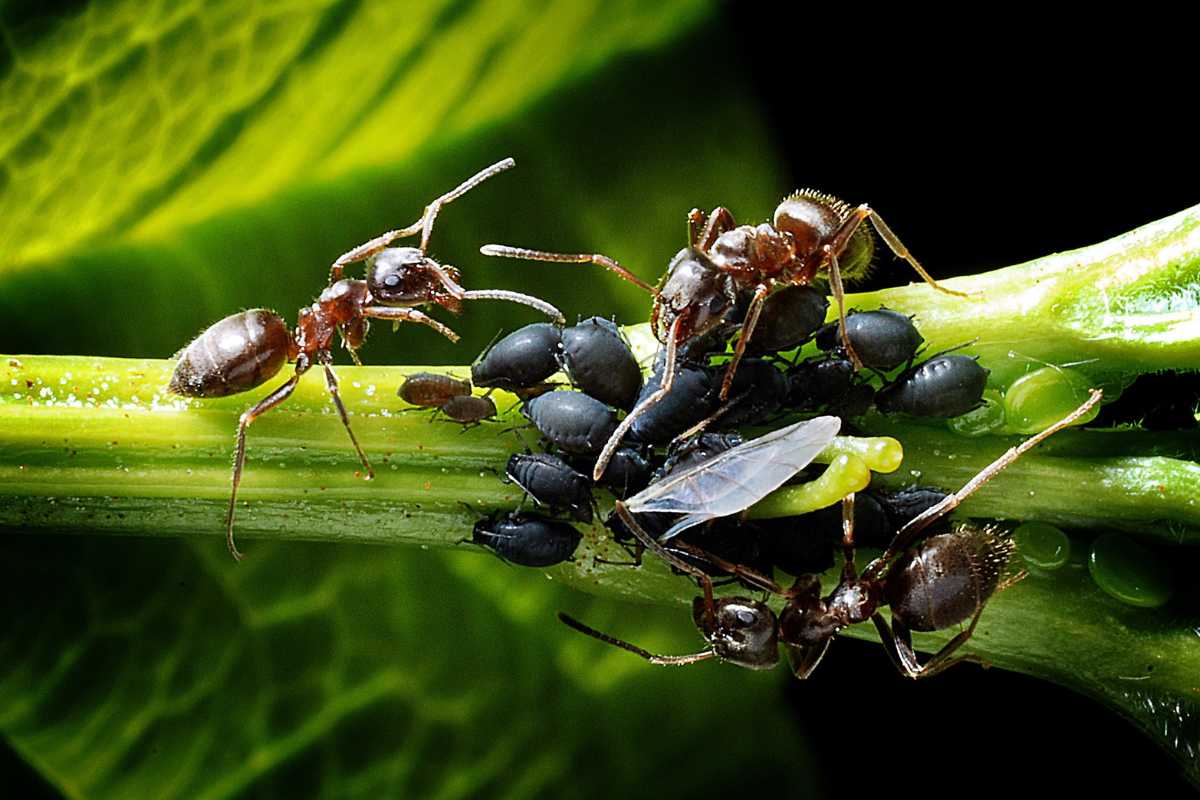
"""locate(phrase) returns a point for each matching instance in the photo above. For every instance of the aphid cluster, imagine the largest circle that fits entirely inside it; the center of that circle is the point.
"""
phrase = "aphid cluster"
(729, 308)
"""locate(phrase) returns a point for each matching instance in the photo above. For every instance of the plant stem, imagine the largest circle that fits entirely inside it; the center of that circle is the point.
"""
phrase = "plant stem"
(96, 445)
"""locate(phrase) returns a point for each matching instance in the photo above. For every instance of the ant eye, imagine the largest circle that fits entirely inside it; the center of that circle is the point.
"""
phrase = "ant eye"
(746, 617)
(392, 280)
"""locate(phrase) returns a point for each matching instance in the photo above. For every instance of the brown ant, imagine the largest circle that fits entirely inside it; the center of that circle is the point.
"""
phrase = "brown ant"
(935, 584)
(723, 263)
(247, 349)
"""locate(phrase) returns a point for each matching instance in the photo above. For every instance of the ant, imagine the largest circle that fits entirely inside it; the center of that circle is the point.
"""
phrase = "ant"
(930, 585)
(244, 350)
(726, 263)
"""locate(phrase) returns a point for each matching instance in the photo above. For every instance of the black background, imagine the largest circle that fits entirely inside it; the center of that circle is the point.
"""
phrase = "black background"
(1017, 140)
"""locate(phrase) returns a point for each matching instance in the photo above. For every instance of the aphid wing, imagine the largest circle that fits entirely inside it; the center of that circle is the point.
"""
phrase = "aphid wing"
(737, 479)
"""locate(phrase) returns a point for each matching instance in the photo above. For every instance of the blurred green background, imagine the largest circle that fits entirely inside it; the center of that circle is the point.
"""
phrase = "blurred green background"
(164, 165)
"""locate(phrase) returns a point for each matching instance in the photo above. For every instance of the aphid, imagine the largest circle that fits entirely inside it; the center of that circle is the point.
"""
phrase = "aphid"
(883, 339)
(572, 421)
(816, 383)
(529, 540)
(691, 401)
(759, 391)
(789, 318)
(402, 277)
(600, 363)
(522, 359)
(943, 386)
(431, 389)
(468, 409)
(931, 585)
(736, 479)
(811, 232)
(247, 349)
(628, 472)
(552, 482)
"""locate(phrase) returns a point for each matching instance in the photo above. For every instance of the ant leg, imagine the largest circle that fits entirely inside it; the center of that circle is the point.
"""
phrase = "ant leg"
(409, 315)
(504, 251)
(650, 543)
(736, 570)
(718, 221)
(805, 658)
(909, 665)
(424, 224)
(906, 535)
(331, 383)
(849, 571)
(865, 212)
(752, 314)
(839, 294)
(671, 661)
(641, 408)
(239, 456)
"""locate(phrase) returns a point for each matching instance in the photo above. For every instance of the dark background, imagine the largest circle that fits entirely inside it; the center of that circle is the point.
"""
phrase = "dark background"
(984, 142)
(1016, 141)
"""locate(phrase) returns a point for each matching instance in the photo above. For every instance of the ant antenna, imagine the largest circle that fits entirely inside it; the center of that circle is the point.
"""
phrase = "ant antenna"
(504, 251)
(666, 661)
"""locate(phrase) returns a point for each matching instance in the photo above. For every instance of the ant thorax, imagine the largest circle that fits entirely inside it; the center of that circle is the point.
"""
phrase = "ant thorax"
(753, 253)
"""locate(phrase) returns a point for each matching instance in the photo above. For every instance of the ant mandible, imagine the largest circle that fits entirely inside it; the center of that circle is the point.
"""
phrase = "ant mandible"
(940, 582)
(244, 350)
(725, 262)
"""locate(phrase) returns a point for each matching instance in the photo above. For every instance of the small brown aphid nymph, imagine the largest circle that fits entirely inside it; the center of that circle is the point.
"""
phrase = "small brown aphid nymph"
(432, 389)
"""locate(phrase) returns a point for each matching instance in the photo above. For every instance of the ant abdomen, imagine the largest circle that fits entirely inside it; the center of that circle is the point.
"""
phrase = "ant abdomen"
(813, 219)
(233, 355)
(947, 578)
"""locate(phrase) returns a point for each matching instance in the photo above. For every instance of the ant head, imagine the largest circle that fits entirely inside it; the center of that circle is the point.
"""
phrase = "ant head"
(741, 631)
(695, 289)
(810, 218)
(405, 276)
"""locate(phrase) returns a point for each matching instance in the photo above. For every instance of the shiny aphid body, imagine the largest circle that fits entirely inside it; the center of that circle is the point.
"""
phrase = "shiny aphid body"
(571, 421)
(246, 349)
(522, 359)
(943, 386)
(930, 583)
(726, 265)
(431, 389)
(528, 540)
(552, 482)
(599, 363)
(883, 339)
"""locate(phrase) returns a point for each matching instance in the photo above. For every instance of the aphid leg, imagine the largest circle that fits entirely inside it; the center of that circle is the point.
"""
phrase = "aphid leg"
(517, 297)
(752, 314)
(641, 408)
(239, 456)
(504, 251)
(719, 221)
(409, 315)
(670, 661)
(906, 535)
(331, 383)
(893, 242)
(839, 294)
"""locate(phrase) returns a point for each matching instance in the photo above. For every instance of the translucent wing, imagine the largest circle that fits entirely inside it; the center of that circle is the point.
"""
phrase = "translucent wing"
(737, 479)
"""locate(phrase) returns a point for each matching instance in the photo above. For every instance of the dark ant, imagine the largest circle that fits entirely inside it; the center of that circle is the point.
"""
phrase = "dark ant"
(939, 582)
(811, 232)
(247, 349)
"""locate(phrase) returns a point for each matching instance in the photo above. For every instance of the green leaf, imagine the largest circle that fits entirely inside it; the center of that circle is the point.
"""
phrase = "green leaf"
(163, 168)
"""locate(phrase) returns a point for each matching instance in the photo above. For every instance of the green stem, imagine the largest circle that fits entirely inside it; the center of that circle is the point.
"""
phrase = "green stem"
(96, 445)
